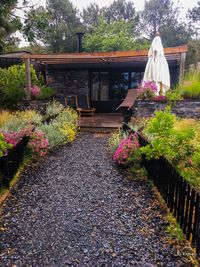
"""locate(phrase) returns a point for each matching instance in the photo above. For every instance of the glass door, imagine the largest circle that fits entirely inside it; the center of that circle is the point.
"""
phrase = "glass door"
(100, 86)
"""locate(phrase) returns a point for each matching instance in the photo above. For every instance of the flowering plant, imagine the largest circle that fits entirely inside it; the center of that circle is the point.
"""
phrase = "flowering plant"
(148, 90)
(35, 91)
(38, 144)
(13, 138)
(127, 151)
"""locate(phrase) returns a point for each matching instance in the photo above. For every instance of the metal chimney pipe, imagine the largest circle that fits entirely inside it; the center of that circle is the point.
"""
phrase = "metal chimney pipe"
(79, 41)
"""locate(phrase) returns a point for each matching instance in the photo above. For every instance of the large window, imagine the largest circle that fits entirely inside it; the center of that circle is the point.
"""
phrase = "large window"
(100, 86)
(120, 85)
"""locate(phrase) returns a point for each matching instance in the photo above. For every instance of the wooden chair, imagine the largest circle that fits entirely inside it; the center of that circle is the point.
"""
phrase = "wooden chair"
(83, 105)
(70, 101)
(128, 103)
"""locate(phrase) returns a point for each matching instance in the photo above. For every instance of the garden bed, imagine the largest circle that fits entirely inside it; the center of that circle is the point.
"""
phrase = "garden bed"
(182, 200)
(182, 108)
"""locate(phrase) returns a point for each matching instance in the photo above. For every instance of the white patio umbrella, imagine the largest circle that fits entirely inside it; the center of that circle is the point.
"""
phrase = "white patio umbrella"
(157, 69)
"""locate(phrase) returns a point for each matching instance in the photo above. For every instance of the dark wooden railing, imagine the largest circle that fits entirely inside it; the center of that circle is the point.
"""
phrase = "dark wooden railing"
(182, 200)
(10, 162)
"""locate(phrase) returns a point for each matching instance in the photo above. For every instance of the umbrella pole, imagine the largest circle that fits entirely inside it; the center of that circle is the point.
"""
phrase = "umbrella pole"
(161, 89)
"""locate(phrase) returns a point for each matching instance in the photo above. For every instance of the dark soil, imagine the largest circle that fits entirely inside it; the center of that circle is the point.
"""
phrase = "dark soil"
(78, 209)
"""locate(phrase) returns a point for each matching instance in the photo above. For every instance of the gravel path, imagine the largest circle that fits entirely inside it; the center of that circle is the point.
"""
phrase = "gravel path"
(77, 209)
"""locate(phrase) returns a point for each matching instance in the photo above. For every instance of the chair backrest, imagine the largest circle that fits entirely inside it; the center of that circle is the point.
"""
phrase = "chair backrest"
(82, 101)
(130, 98)
(70, 101)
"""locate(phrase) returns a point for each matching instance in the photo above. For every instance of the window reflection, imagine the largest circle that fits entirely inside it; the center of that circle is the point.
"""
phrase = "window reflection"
(120, 85)
(135, 79)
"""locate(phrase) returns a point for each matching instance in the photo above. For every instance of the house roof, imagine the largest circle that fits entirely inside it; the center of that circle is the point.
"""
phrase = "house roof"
(171, 53)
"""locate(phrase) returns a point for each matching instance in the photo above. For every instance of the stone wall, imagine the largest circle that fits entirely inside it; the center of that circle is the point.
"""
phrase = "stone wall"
(68, 82)
(182, 108)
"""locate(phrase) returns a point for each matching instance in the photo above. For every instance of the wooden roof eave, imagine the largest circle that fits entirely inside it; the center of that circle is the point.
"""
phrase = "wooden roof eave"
(102, 55)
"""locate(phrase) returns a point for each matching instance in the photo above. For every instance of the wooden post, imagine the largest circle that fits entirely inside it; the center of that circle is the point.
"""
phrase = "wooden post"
(28, 77)
(182, 67)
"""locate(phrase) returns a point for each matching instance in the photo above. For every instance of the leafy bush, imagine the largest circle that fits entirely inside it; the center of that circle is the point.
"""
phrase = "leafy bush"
(19, 120)
(3, 145)
(114, 140)
(173, 95)
(12, 84)
(62, 129)
(55, 138)
(54, 108)
(176, 139)
(46, 93)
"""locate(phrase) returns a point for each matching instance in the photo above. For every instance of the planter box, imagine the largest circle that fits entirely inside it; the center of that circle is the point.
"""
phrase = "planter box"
(182, 108)
(10, 162)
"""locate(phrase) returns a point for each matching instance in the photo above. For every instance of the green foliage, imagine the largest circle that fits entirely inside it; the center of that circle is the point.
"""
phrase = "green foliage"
(120, 10)
(46, 92)
(90, 16)
(19, 120)
(190, 88)
(111, 37)
(162, 16)
(3, 145)
(194, 17)
(55, 26)
(166, 141)
(161, 125)
(54, 108)
(62, 129)
(178, 141)
(114, 140)
(9, 24)
(174, 229)
(173, 95)
(54, 137)
(12, 84)
(193, 54)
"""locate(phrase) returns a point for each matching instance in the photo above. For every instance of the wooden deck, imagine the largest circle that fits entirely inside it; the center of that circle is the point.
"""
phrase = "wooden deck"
(101, 120)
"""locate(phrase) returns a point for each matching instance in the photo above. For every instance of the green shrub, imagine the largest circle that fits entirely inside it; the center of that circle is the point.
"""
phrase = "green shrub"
(54, 108)
(46, 93)
(178, 141)
(115, 140)
(3, 145)
(62, 129)
(12, 84)
(53, 134)
(173, 95)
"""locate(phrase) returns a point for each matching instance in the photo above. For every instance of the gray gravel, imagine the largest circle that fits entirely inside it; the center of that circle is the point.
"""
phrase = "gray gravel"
(78, 209)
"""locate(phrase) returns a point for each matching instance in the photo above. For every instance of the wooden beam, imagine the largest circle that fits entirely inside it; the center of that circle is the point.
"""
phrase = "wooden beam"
(28, 78)
(105, 55)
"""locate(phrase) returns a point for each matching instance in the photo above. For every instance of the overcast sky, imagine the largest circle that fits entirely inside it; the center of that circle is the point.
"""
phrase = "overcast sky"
(139, 4)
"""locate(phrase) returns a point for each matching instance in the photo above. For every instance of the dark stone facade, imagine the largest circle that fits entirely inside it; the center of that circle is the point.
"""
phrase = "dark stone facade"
(182, 108)
(67, 82)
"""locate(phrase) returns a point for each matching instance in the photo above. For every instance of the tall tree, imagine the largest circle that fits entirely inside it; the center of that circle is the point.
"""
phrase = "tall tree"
(9, 24)
(163, 16)
(90, 16)
(120, 10)
(54, 26)
(194, 17)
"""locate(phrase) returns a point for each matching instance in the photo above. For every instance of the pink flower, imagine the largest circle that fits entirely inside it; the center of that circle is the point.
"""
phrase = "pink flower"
(35, 90)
